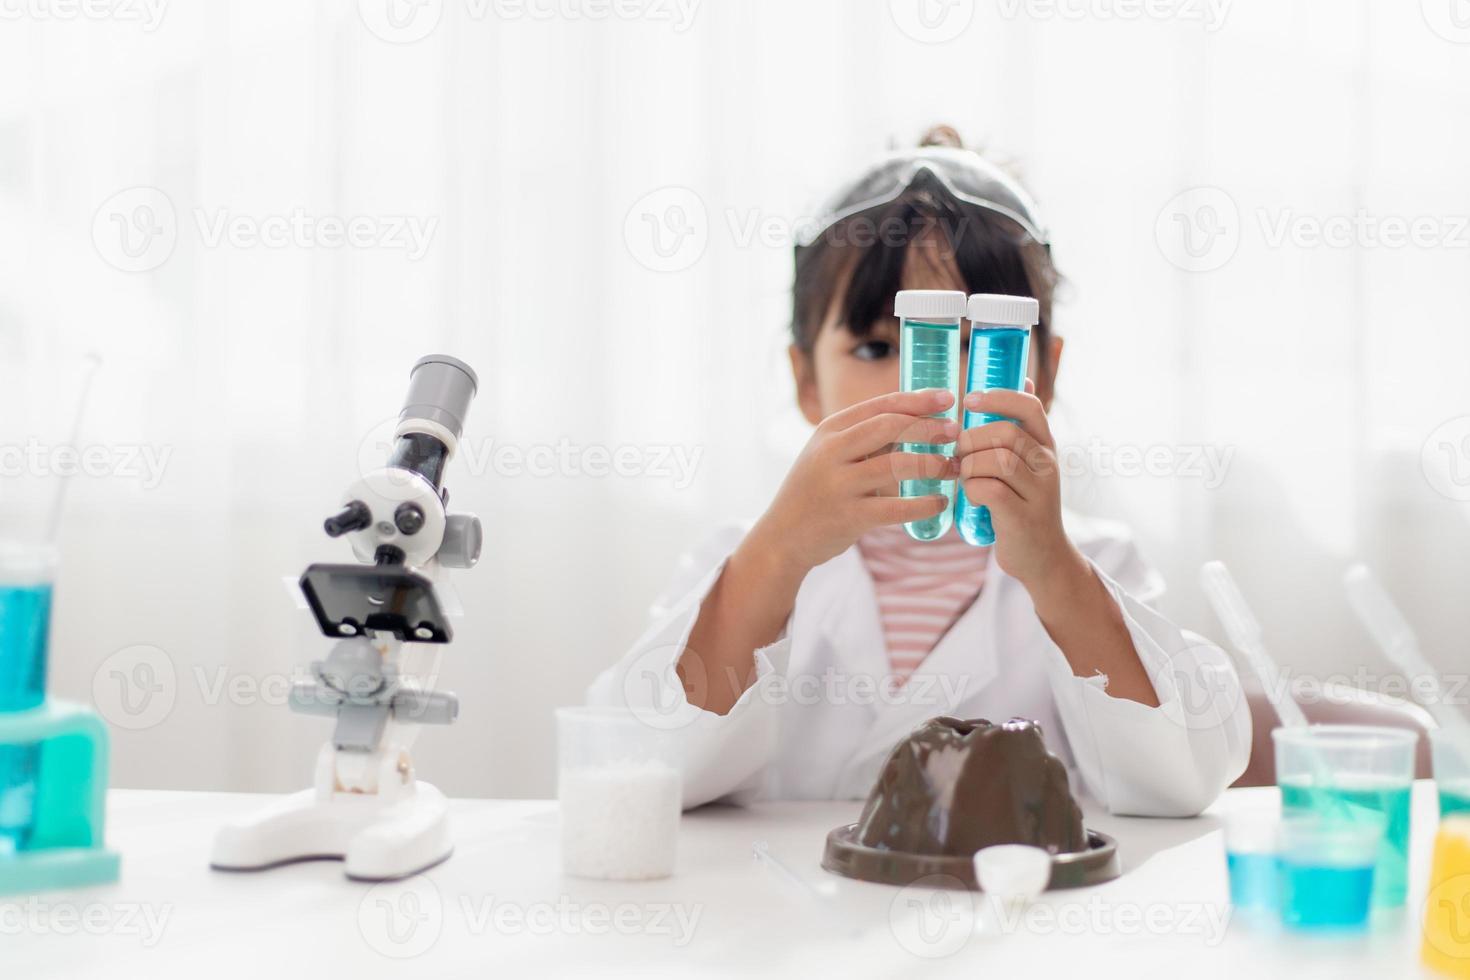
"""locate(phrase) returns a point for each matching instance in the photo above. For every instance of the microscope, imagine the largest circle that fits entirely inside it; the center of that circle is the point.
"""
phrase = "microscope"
(366, 807)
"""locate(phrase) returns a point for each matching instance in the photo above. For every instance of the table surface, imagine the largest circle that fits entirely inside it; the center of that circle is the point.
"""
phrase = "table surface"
(500, 903)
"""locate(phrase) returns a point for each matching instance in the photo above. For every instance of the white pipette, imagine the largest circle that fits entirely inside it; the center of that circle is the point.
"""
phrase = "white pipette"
(1245, 632)
(1378, 613)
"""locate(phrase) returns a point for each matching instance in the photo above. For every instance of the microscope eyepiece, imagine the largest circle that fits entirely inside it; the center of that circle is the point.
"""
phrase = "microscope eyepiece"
(440, 388)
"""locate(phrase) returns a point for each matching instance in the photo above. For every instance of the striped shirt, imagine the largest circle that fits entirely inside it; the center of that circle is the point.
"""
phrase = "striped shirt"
(922, 588)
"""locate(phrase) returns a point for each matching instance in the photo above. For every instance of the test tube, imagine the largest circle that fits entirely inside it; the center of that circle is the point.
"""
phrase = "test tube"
(929, 335)
(1000, 336)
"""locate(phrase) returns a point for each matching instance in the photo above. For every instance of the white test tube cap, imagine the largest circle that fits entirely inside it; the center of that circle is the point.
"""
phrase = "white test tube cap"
(920, 304)
(1004, 311)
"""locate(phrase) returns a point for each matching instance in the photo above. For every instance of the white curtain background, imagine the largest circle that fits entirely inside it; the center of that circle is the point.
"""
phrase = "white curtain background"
(605, 198)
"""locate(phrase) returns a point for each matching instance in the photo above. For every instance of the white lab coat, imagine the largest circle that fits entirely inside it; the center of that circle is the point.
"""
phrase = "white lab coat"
(817, 725)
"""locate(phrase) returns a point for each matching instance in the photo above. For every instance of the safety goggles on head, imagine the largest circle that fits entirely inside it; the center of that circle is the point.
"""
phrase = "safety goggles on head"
(963, 173)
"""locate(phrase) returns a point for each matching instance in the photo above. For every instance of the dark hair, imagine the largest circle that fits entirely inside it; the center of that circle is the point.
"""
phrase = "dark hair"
(857, 264)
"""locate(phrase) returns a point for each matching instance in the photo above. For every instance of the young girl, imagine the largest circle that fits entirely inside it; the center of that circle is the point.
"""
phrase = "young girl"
(796, 651)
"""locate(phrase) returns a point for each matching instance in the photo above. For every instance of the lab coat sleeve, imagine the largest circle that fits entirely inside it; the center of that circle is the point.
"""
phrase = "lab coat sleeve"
(1168, 761)
(724, 756)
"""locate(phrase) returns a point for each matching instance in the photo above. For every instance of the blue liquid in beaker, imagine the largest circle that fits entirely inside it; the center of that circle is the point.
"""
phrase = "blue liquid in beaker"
(1388, 802)
(930, 359)
(25, 615)
(1253, 879)
(1324, 896)
(997, 360)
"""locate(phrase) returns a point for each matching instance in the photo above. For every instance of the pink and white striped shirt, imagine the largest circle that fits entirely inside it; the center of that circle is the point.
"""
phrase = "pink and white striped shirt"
(922, 588)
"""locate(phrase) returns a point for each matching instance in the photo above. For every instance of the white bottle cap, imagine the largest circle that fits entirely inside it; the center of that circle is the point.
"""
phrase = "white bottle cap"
(1010, 311)
(921, 303)
(1013, 873)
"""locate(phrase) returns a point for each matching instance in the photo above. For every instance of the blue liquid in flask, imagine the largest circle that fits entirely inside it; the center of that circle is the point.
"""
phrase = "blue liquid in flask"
(997, 360)
(25, 614)
(931, 359)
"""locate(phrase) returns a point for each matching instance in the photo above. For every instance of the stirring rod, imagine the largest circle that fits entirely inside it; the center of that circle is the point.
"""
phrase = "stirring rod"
(89, 370)
(820, 894)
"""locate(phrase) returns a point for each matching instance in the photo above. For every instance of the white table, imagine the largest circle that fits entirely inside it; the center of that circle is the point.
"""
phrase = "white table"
(500, 908)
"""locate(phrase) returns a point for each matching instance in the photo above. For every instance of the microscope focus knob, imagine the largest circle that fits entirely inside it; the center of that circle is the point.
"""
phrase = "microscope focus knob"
(354, 517)
(463, 537)
(409, 518)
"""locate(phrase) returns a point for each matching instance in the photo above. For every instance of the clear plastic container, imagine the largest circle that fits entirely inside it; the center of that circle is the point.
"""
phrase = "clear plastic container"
(1000, 339)
(1451, 773)
(929, 344)
(1354, 773)
(1252, 846)
(27, 573)
(621, 794)
(1328, 870)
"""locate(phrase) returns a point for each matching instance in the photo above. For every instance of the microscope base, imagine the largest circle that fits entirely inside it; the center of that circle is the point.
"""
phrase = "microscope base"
(376, 839)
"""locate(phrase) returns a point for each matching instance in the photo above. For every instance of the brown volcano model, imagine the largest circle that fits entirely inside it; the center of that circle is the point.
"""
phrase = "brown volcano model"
(953, 787)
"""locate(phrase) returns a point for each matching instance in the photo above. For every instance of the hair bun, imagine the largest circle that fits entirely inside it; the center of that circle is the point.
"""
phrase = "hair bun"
(942, 135)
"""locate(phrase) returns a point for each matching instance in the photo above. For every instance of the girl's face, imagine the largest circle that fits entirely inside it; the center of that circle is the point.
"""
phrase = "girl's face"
(843, 370)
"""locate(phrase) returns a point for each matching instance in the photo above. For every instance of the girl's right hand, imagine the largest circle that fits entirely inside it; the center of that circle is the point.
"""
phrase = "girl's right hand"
(846, 481)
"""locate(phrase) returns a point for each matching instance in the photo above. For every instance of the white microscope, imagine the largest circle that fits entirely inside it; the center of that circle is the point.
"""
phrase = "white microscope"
(366, 807)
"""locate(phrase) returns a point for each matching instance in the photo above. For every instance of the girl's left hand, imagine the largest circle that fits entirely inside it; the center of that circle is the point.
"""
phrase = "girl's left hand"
(1011, 467)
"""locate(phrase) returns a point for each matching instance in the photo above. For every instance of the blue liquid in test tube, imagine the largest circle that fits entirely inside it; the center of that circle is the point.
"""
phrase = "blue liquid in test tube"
(25, 615)
(1000, 338)
(929, 341)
